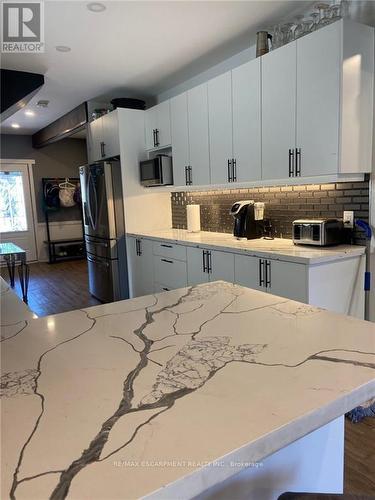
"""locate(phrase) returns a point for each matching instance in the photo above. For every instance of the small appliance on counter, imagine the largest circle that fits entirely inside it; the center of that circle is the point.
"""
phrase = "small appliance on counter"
(249, 221)
(156, 171)
(319, 232)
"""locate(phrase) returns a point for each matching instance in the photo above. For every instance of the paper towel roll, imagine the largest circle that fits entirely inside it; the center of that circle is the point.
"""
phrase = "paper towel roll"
(193, 218)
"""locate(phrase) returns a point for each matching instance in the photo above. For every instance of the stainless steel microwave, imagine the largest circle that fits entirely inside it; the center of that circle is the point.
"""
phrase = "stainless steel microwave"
(156, 171)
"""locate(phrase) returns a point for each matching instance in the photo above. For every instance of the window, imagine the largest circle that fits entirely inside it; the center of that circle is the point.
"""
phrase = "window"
(12, 203)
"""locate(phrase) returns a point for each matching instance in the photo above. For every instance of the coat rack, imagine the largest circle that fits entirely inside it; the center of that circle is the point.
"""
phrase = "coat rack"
(61, 249)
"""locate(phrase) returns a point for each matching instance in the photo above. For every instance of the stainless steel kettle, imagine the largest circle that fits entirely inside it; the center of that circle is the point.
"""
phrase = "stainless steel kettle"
(262, 43)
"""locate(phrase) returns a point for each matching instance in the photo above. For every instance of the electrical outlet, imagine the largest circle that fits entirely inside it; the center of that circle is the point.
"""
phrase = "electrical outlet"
(348, 218)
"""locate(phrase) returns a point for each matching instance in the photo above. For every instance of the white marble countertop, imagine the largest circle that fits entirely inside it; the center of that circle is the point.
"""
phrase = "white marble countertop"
(140, 397)
(14, 313)
(280, 249)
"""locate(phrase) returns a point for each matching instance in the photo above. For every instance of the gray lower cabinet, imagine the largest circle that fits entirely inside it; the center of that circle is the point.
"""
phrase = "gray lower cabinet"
(287, 279)
(204, 265)
(140, 266)
(160, 265)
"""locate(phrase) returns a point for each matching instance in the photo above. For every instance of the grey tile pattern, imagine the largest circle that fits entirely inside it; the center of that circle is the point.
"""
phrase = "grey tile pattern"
(283, 205)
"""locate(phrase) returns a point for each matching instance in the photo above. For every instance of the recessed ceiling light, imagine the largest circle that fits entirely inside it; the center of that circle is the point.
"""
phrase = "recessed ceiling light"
(63, 48)
(28, 112)
(15, 125)
(96, 7)
(43, 103)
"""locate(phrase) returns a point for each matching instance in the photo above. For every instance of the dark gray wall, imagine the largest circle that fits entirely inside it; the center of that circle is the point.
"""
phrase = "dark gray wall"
(283, 205)
(60, 159)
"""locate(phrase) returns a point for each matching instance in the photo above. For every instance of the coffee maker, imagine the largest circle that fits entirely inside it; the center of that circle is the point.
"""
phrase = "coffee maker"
(249, 220)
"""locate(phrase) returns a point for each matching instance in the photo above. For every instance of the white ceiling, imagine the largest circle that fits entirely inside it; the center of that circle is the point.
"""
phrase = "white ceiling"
(138, 48)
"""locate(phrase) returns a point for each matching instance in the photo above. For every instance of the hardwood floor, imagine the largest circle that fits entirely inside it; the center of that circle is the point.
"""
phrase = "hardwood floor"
(360, 457)
(56, 288)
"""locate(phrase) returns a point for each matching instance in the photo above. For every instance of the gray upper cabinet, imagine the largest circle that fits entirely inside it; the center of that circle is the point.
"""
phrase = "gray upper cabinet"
(220, 128)
(246, 116)
(278, 111)
(158, 126)
(303, 110)
(180, 138)
(199, 172)
(317, 104)
(103, 140)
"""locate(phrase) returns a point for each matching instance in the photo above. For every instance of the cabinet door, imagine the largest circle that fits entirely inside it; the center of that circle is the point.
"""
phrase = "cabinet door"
(141, 270)
(147, 267)
(288, 280)
(278, 110)
(164, 123)
(111, 138)
(198, 135)
(222, 266)
(247, 121)
(94, 138)
(135, 268)
(247, 272)
(180, 138)
(195, 273)
(318, 100)
(220, 128)
(150, 127)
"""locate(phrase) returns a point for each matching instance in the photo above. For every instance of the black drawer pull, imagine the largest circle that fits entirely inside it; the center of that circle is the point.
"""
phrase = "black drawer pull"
(291, 163)
(167, 261)
(268, 274)
(261, 270)
(204, 253)
(166, 289)
(166, 246)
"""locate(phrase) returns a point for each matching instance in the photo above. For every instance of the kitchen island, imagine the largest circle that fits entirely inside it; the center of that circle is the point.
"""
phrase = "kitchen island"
(214, 390)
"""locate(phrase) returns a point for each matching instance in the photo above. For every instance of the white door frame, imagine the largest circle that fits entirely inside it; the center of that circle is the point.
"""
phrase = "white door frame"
(29, 165)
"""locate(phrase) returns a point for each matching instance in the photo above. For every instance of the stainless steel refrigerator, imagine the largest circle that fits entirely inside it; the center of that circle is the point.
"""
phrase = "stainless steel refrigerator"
(104, 230)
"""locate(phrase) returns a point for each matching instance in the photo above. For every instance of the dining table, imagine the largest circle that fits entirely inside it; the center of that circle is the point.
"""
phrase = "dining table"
(12, 255)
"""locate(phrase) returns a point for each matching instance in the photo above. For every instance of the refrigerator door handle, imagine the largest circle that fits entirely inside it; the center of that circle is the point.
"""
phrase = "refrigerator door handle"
(95, 218)
(89, 212)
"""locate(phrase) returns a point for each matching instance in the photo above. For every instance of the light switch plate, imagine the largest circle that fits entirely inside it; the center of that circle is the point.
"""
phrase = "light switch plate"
(348, 218)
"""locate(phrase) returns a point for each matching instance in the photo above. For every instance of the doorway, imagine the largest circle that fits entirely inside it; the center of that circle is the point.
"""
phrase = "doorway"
(17, 219)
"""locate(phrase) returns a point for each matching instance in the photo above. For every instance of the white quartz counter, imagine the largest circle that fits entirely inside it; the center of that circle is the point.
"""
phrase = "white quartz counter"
(14, 313)
(281, 249)
(122, 400)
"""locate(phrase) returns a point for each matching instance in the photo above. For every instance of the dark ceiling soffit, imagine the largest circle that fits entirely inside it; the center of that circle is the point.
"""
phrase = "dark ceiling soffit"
(17, 88)
(63, 127)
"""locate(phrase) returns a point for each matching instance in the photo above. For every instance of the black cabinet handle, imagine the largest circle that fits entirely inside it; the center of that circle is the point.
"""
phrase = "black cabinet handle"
(167, 261)
(186, 176)
(138, 246)
(154, 137)
(261, 271)
(190, 170)
(229, 171)
(298, 162)
(268, 274)
(165, 288)
(209, 261)
(291, 163)
(165, 246)
(234, 169)
(204, 253)
(157, 143)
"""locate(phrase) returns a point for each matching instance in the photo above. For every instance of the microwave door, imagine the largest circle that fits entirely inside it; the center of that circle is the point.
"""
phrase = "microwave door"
(151, 172)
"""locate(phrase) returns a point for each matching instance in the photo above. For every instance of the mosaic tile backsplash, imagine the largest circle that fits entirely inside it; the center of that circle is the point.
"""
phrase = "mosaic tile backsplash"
(283, 205)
